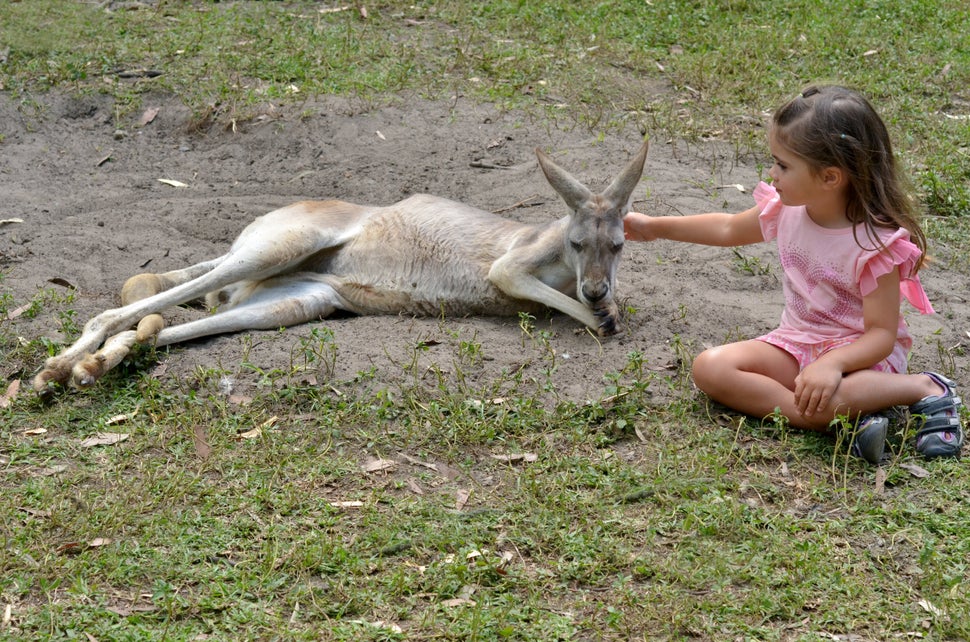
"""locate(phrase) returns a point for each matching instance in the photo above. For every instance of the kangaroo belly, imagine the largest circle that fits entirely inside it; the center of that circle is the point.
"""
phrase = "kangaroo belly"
(426, 293)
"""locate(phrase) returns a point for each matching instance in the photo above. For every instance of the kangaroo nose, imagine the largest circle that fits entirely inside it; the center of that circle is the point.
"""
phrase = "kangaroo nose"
(595, 292)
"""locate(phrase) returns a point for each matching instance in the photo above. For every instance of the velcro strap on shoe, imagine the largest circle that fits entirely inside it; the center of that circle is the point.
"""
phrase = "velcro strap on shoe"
(944, 404)
(939, 423)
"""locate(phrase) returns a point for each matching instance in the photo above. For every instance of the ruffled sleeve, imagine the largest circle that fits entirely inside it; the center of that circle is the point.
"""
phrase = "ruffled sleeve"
(901, 254)
(767, 199)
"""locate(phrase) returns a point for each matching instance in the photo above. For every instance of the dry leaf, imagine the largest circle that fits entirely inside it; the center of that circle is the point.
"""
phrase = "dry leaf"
(47, 472)
(9, 221)
(125, 611)
(7, 615)
(12, 390)
(505, 558)
(173, 183)
(36, 431)
(378, 465)
(380, 624)
(880, 481)
(458, 601)
(199, 440)
(104, 439)
(73, 548)
(446, 471)
(62, 282)
(517, 457)
(347, 504)
(70, 548)
(915, 471)
(418, 462)
(148, 116)
(930, 608)
(34, 512)
(461, 498)
(120, 419)
(16, 312)
(380, 135)
(251, 434)
(414, 486)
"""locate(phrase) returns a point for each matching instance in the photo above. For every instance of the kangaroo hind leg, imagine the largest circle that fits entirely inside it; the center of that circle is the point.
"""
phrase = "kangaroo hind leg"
(275, 303)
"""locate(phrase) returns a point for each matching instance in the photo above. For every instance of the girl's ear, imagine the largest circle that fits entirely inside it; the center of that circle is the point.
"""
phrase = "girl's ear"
(833, 177)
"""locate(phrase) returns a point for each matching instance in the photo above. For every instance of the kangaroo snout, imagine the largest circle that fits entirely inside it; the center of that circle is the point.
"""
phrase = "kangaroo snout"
(594, 292)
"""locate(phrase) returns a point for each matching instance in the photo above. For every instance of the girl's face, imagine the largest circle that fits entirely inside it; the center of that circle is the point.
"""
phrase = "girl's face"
(791, 176)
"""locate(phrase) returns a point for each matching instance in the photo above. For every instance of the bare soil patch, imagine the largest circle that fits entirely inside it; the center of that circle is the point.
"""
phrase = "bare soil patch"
(94, 212)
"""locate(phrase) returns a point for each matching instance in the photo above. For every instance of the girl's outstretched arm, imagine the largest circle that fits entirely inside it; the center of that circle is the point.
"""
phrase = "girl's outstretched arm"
(715, 228)
(816, 384)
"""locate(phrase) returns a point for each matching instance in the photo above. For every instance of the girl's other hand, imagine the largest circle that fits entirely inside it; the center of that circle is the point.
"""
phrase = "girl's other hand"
(815, 386)
(637, 227)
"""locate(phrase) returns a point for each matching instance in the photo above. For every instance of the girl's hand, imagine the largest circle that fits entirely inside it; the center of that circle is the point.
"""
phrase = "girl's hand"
(637, 227)
(815, 386)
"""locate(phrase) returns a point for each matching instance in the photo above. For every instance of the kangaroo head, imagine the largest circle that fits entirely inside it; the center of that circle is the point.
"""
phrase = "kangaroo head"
(593, 240)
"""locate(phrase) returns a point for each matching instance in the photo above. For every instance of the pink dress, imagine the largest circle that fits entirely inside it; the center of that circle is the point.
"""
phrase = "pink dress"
(827, 272)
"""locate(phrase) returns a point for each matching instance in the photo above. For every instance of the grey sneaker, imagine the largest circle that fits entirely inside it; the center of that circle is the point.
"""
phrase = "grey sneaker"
(939, 432)
(869, 441)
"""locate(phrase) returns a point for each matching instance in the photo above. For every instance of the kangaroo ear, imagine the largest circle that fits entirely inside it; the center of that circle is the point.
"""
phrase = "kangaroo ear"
(571, 190)
(621, 189)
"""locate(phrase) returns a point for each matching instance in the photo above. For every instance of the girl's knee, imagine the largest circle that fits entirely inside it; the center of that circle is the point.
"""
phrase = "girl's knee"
(705, 370)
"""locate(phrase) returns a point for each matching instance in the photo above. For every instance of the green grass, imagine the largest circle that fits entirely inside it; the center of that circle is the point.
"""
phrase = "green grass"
(708, 528)
(698, 531)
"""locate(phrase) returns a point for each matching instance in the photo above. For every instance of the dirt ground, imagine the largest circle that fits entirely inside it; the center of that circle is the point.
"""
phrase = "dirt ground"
(94, 212)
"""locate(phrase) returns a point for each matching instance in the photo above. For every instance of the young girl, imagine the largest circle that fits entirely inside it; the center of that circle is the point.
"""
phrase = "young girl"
(850, 246)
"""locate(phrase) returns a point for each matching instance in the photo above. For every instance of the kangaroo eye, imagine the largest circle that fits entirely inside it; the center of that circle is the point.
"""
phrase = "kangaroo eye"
(576, 245)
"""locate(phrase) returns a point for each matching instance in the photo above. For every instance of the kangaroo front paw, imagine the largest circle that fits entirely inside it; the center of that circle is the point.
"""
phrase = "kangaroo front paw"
(608, 321)
(608, 328)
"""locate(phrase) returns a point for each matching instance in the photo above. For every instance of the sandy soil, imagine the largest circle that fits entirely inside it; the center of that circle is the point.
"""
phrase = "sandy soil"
(94, 212)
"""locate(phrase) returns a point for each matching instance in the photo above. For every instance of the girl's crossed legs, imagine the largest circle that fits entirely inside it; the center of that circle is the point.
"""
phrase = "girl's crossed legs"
(755, 378)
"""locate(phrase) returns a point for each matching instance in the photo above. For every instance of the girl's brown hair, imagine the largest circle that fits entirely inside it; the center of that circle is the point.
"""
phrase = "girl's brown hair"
(833, 126)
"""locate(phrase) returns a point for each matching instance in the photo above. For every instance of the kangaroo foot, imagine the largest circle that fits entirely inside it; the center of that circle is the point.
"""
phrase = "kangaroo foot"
(54, 374)
(92, 367)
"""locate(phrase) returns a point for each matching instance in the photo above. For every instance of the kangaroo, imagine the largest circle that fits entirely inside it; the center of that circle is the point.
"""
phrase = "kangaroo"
(423, 256)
